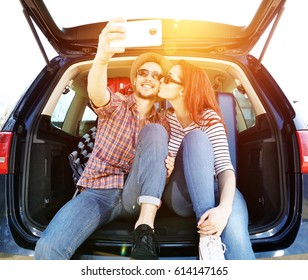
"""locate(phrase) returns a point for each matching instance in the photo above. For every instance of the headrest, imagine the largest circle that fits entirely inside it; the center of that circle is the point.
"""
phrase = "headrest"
(120, 84)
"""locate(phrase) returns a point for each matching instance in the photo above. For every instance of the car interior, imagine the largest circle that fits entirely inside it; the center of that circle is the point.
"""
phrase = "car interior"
(67, 116)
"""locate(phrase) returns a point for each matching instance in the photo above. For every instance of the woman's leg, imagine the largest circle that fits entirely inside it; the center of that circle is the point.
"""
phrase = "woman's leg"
(236, 235)
(191, 189)
(76, 221)
(191, 186)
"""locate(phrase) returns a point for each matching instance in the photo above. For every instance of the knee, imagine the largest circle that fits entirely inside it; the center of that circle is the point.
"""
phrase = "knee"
(196, 136)
(197, 141)
(154, 131)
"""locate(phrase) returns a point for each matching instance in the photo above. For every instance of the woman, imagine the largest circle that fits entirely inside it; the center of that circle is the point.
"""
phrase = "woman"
(203, 180)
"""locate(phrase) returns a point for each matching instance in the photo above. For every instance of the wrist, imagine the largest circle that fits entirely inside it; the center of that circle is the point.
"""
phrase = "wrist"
(100, 61)
(226, 208)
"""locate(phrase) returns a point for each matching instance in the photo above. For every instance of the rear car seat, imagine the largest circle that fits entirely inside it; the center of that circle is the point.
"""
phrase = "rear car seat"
(227, 106)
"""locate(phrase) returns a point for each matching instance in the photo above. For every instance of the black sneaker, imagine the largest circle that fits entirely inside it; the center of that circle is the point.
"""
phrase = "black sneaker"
(145, 243)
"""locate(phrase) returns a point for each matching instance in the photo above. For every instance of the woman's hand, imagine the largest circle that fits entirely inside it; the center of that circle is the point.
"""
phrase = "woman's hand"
(213, 221)
(169, 161)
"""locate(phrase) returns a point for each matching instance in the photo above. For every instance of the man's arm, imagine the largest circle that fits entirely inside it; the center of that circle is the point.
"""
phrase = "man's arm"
(97, 78)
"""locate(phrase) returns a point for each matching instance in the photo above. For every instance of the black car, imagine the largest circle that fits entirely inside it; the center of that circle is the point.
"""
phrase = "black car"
(267, 137)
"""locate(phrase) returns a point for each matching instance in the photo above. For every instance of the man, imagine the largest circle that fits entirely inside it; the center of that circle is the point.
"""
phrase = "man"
(126, 173)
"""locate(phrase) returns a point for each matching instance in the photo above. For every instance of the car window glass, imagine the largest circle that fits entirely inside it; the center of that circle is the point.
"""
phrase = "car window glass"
(246, 116)
(87, 122)
(58, 115)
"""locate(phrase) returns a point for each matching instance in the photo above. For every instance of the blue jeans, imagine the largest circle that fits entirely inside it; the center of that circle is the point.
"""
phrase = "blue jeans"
(93, 208)
(192, 190)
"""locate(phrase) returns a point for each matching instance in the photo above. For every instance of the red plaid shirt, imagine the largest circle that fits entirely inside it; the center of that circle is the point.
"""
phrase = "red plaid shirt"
(115, 142)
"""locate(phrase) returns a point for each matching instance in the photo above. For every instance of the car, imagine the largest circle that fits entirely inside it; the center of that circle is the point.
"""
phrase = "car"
(268, 139)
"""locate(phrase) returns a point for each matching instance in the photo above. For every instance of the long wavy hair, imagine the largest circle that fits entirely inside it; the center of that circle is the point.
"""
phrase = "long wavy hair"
(199, 93)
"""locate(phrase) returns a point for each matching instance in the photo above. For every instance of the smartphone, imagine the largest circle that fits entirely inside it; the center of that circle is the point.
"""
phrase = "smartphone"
(140, 33)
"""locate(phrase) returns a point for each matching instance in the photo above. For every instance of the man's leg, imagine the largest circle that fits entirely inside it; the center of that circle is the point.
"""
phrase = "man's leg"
(144, 187)
(76, 221)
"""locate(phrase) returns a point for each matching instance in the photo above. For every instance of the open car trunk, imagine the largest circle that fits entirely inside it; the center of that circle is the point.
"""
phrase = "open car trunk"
(255, 145)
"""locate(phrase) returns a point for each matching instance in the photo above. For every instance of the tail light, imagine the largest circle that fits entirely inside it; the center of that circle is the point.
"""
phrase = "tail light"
(302, 137)
(5, 144)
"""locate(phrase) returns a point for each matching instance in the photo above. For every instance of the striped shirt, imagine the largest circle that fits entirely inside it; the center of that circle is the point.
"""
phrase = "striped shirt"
(115, 142)
(215, 132)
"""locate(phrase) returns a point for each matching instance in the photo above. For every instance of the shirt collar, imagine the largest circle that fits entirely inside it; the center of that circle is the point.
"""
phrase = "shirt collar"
(131, 101)
(152, 113)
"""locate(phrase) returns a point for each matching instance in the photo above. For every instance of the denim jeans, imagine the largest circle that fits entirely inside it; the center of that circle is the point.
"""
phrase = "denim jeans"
(93, 208)
(192, 190)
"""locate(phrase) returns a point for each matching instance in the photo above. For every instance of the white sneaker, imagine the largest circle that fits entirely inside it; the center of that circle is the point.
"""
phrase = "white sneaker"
(211, 248)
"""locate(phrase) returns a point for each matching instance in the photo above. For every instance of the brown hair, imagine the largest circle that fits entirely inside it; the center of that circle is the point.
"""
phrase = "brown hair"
(199, 94)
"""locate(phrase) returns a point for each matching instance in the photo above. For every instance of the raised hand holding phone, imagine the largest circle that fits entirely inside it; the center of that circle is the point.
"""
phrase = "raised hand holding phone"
(139, 33)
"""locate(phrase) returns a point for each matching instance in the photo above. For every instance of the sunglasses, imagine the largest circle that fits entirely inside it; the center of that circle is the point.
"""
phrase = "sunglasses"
(145, 73)
(168, 79)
